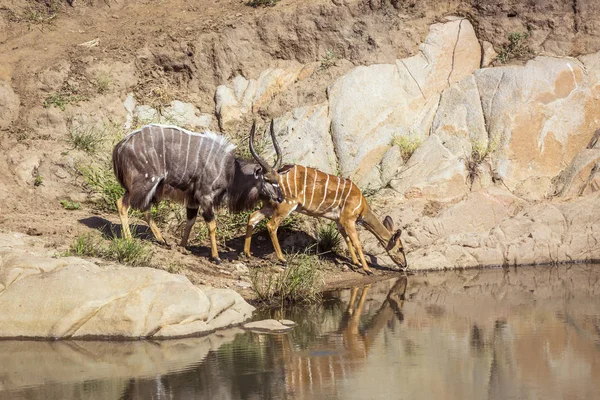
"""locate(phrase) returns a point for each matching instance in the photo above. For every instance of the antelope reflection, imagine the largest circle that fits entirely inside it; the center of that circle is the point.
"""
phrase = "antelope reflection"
(341, 352)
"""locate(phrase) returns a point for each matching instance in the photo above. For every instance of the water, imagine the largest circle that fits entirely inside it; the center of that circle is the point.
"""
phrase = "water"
(526, 333)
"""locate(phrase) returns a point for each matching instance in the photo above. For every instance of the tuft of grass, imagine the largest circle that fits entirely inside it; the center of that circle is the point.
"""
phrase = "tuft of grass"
(101, 181)
(86, 139)
(480, 152)
(516, 48)
(329, 60)
(133, 252)
(175, 268)
(262, 3)
(70, 205)
(128, 251)
(39, 181)
(103, 83)
(328, 238)
(84, 245)
(301, 281)
(407, 145)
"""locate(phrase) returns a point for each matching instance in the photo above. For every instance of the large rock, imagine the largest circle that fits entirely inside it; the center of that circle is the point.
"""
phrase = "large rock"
(433, 171)
(9, 105)
(69, 297)
(241, 95)
(371, 105)
(494, 227)
(303, 135)
(538, 117)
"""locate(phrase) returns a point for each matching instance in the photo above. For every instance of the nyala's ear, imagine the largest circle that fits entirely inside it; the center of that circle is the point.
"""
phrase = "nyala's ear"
(397, 235)
(388, 222)
(257, 171)
(285, 169)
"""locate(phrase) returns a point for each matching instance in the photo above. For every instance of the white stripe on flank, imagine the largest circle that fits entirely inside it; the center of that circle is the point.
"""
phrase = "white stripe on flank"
(334, 197)
(144, 143)
(150, 194)
(162, 132)
(221, 168)
(359, 204)
(212, 145)
(313, 187)
(287, 182)
(187, 154)
(342, 194)
(304, 188)
(324, 193)
(346, 199)
(132, 143)
(198, 155)
(295, 184)
(180, 145)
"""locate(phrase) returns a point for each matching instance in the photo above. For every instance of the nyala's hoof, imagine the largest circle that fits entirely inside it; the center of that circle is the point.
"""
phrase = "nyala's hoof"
(368, 272)
(216, 261)
(244, 256)
(283, 263)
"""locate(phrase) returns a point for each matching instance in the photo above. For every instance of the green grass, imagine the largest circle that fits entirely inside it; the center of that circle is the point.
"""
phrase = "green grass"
(407, 145)
(262, 3)
(133, 252)
(63, 97)
(86, 139)
(516, 48)
(328, 238)
(329, 60)
(70, 205)
(101, 182)
(39, 181)
(300, 281)
(128, 251)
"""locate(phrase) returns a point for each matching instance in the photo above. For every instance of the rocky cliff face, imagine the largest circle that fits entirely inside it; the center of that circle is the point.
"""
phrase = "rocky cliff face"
(505, 171)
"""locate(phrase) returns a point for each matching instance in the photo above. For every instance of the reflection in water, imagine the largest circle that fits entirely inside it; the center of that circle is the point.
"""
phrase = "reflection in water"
(495, 334)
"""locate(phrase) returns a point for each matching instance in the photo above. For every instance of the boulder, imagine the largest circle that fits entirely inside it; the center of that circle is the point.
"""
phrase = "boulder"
(433, 172)
(185, 115)
(538, 117)
(303, 135)
(371, 105)
(493, 227)
(44, 297)
(270, 326)
(241, 95)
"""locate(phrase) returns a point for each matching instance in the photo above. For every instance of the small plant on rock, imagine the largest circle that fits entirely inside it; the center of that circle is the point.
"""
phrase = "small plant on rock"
(516, 48)
(480, 152)
(329, 60)
(38, 181)
(407, 145)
